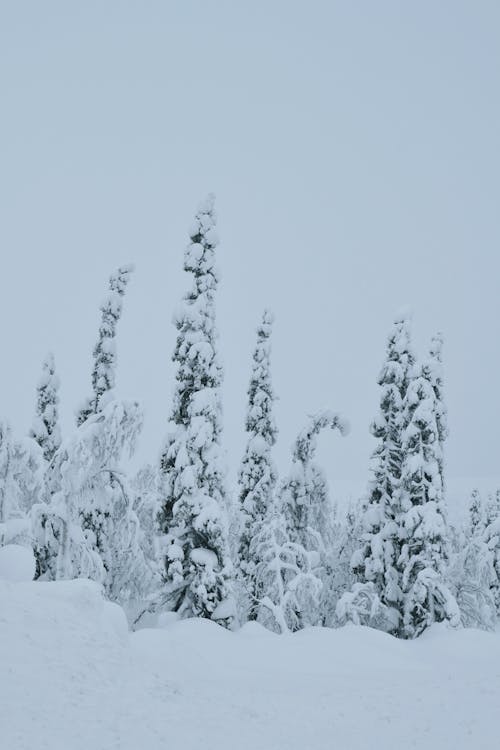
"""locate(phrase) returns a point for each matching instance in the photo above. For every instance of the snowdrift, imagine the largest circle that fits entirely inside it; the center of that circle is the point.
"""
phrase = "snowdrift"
(72, 677)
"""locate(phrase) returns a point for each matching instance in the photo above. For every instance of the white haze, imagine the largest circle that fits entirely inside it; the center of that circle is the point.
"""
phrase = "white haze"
(353, 149)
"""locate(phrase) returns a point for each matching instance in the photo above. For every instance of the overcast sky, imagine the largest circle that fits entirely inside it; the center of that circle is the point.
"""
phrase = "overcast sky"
(354, 151)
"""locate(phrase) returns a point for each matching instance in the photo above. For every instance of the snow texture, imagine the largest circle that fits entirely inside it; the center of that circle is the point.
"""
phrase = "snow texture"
(73, 678)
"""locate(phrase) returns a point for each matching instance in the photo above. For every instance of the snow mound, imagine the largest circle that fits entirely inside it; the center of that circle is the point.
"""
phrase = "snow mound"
(72, 677)
(17, 563)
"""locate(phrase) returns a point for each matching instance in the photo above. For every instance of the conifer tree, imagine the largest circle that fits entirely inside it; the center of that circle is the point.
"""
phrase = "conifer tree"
(104, 370)
(306, 506)
(45, 430)
(198, 570)
(472, 574)
(422, 524)
(376, 562)
(433, 370)
(257, 476)
(492, 539)
(477, 514)
(306, 502)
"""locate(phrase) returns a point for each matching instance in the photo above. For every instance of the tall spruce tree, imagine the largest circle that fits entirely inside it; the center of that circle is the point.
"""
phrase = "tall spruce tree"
(104, 370)
(198, 570)
(377, 561)
(257, 476)
(422, 524)
(45, 429)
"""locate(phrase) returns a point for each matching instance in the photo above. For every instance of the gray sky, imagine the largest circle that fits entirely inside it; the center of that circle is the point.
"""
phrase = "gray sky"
(353, 149)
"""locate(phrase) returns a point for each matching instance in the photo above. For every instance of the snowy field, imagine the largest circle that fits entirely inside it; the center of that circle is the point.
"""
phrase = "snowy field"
(72, 677)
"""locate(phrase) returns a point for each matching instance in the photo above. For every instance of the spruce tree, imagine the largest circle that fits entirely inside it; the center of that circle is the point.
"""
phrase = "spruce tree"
(198, 571)
(104, 370)
(422, 524)
(45, 429)
(376, 562)
(257, 476)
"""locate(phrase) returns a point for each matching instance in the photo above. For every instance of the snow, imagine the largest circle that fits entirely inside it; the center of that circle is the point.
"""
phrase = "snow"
(16, 563)
(72, 677)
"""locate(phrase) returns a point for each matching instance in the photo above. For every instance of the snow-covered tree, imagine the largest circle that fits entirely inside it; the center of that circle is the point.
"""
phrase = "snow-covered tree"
(28, 468)
(305, 503)
(433, 370)
(9, 506)
(376, 561)
(198, 569)
(477, 514)
(492, 539)
(472, 574)
(422, 523)
(21, 485)
(88, 527)
(257, 476)
(45, 429)
(104, 370)
(144, 487)
(286, 587)
(338, 575)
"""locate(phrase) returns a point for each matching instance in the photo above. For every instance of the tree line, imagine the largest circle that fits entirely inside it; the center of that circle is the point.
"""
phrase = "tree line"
(277, 550)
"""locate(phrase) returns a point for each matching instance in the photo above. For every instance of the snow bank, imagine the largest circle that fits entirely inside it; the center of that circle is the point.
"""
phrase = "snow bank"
(17, 563)
(71, 677)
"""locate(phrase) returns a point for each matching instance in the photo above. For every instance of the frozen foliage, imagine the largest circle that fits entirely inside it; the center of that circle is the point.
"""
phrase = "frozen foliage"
(422, 526)
(45, 429)
(377, 559)
(104, 371)
(492, 539)
(20, 481)
(405, 551)
(362, 606)
(9, 505)
(286, 588)
(257, 476)
(306, 506)
(28, 472)
(433, 370)
(338, 575)
(144, 489)
(198, 570)
(146, 506)
(472, 574)
(88, 529)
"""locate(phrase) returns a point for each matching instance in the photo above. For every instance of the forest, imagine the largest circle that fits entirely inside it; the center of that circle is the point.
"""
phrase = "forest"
(174, 538)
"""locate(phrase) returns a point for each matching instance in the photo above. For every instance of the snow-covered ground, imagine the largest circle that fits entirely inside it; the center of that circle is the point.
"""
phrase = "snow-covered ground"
(72, 677)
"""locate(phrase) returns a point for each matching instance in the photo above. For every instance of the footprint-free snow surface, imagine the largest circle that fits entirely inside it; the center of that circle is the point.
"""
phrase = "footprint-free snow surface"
(72, 677)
